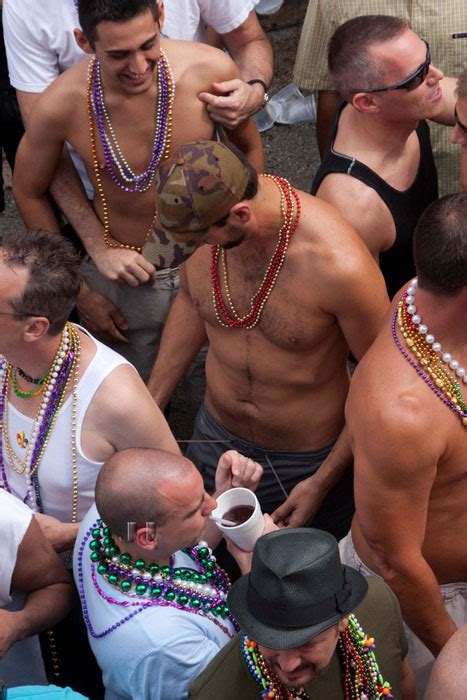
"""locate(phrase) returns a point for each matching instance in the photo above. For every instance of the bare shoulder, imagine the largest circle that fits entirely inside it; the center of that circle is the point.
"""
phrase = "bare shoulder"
(338, 251)
(199, 62)
(449, 675)
(362, 207)
(59, 101)
(391, 412)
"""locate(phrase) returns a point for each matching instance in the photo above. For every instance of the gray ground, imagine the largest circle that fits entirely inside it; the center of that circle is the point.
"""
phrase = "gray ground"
(290, 151)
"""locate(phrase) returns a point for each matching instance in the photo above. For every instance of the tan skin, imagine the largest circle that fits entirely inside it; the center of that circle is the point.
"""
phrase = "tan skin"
(328, 296)
(459, 137)
(41, 575)
(121, 414)
(124, 49)
(410, 477)
(378, 129)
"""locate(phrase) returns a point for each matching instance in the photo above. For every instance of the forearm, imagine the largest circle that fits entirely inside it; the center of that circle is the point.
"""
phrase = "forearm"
(61, 536)
(71, 198)
(254, 60)
(335, 465)
(184, 335)
(417, 590)
(42, 609)
(35, 211)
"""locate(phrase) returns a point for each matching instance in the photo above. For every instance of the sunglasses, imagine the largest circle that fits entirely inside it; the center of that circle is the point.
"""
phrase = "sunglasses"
(461, 126)
(19, 315)
(413, 81)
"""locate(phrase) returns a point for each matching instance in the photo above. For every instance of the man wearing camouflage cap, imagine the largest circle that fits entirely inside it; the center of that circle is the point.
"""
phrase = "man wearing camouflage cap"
(283, 291)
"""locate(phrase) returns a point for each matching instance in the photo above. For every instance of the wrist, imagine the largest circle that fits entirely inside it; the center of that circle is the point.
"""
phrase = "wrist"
(261, 92)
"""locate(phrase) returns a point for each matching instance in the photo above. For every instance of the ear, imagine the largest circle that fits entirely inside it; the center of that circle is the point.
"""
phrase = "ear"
(241, 212)
(36, 328)
(82, 41)
(365, 102)
(145, 537)
(343, 624)
(160, 4)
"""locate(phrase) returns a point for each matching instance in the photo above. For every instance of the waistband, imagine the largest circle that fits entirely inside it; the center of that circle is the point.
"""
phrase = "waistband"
(205, 419)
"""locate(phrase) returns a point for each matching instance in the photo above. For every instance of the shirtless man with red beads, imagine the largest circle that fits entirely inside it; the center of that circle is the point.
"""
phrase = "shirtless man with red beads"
(123, 111)
(295, 288)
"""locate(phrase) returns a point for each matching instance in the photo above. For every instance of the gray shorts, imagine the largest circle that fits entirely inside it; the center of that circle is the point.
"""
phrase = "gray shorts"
(145, 309)
(212, 439)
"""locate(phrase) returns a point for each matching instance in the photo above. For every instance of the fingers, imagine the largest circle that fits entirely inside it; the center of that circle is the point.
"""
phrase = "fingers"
(114, 331)
(125, 266)
(247, 474)
(228, 86)
(269, 524)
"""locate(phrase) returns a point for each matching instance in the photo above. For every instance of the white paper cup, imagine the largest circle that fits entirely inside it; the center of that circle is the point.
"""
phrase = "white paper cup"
(245, 534)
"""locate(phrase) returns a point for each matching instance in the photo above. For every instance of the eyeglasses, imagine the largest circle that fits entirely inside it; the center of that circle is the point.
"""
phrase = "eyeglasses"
(461, 126)
(19, 315)
(410, 83)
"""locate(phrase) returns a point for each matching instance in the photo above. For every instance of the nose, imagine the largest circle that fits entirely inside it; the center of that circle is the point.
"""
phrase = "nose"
(435, 74)
(209, 505)
(288, 661)
(139, 63)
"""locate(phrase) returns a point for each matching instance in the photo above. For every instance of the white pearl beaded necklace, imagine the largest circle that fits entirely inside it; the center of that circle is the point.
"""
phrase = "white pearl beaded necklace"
(422, 328)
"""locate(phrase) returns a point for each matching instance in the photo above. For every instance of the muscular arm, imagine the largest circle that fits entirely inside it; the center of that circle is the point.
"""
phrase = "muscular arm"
(395, 461)
(70, 196)
(363, 209)
(184, 335)
(39, 573)
(356, 296)
(252, 52)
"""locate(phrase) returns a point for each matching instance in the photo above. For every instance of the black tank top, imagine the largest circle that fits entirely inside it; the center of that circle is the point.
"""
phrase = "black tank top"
(397, 263)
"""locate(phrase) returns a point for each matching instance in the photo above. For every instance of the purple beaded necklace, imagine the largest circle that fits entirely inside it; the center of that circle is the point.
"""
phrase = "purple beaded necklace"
(118, 168)
(139, 604)
(53, 400)
(421, 372)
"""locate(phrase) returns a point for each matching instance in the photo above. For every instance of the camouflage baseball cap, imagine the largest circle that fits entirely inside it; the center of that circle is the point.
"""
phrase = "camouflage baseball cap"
(198, 186)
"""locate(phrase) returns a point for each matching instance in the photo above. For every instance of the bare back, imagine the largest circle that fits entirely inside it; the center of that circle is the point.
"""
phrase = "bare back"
(410, 455)
(283, 383)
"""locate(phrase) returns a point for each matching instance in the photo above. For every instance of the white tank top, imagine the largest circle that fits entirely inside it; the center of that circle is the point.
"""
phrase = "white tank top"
(55, 478)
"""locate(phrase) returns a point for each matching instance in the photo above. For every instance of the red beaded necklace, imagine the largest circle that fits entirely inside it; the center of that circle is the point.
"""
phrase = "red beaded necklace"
(290, 207)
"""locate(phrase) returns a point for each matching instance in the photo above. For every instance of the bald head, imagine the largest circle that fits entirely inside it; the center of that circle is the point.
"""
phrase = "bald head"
(448, 679)
(130, 483)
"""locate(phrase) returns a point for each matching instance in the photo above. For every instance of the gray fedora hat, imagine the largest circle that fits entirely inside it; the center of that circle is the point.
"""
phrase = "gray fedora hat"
(296, 589)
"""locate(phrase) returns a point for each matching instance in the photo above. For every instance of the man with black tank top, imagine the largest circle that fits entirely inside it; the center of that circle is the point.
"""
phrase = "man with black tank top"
(378, 169)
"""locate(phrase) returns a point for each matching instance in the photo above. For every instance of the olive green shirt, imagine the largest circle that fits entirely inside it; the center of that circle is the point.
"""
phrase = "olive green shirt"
(227, 677)
(433, 20)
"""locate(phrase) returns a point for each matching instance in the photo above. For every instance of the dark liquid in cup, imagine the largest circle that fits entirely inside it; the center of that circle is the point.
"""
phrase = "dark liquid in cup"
(238, 515)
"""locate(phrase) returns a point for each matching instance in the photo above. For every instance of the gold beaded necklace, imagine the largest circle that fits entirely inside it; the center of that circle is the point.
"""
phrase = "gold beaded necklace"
(438, 378)
(110, 242)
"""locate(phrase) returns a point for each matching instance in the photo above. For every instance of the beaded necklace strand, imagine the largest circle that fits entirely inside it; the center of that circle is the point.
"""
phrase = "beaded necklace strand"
(362, 677)
(64, 370)
(229, 317)
(201, 592)
(115, 162)
(434, 370)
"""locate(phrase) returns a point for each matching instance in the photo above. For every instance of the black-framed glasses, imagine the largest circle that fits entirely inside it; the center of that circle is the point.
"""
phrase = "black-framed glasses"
(410, 83)
(19, 314)
(462, 127)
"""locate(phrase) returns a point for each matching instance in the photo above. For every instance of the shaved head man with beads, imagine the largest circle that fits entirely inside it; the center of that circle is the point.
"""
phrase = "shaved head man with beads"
(152, 595)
